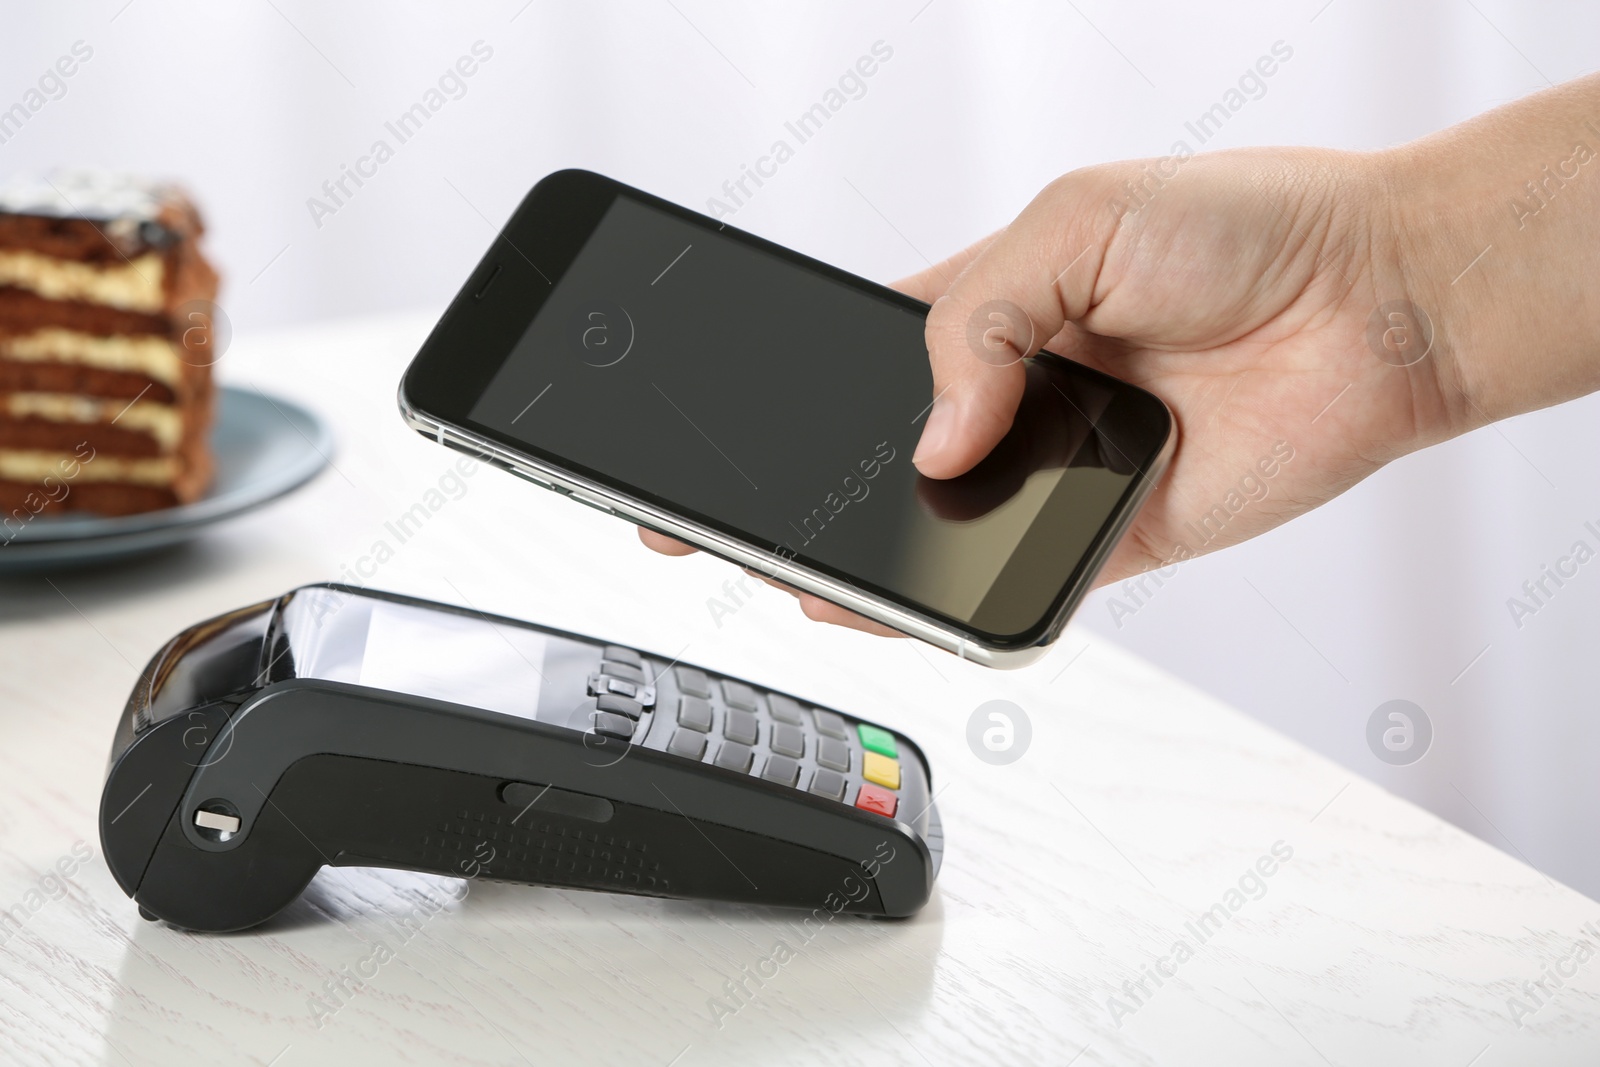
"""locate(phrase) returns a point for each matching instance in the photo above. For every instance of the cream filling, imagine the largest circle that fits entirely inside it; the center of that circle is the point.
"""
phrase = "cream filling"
(19, 466)
(161, 421)
(154, 357)
(134, 285)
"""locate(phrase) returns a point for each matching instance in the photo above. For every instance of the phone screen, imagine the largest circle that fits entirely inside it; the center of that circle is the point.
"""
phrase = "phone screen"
(716, 379)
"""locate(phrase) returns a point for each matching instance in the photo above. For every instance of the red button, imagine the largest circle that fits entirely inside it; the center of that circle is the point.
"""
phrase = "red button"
(876, 800)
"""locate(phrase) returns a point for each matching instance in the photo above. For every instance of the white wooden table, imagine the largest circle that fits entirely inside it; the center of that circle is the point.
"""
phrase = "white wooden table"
(1387, 937)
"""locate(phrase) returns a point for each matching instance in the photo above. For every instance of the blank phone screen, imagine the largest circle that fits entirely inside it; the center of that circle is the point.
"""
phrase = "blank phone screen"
(721, 381)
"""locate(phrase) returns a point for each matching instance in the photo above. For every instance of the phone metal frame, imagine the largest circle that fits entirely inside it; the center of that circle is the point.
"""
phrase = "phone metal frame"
(771, 565)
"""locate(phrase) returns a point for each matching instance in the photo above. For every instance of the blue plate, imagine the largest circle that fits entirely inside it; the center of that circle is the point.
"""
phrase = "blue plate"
(264, 447)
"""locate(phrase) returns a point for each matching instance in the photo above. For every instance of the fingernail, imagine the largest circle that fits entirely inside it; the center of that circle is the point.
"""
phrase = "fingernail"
(937, 433)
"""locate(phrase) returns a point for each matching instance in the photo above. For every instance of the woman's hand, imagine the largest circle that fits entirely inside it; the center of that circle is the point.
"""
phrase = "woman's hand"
(1308, 315)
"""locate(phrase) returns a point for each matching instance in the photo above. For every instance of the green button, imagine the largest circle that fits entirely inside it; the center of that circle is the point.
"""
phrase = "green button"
(877, 740)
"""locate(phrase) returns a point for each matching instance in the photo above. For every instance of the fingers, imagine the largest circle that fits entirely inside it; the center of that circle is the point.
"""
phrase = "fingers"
(820, 610)
(1129, 559)
(1025, 285)
(929, 285)
(667, 546)
(813, 606)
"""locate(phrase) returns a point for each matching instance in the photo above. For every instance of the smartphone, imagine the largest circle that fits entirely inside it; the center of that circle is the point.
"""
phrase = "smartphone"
(669, 369)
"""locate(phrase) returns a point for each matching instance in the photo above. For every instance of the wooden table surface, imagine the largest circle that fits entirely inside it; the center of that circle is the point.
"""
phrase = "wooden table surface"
(1074, 874)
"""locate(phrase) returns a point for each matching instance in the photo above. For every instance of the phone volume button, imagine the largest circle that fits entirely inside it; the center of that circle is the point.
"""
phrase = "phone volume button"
(591, 502)
(520, 473)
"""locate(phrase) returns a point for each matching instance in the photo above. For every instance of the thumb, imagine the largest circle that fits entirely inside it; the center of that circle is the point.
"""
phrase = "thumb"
(929, 285)
(1036, 276)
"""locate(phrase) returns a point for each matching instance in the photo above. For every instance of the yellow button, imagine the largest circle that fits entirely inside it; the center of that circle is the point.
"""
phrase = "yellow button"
(880, 769)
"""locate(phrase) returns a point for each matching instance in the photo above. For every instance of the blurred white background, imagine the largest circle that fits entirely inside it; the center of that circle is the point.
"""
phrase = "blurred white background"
(1397, 590)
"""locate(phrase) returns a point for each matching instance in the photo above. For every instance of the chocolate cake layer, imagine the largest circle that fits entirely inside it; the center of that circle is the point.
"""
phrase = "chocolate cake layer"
(22, 311)
(106, 396)
(157, 360)
(51, 439)
(37, 331)
(184, 474)
(52, 422)
(20, 501)
(151, 283)
(42, 377)
(44, 435)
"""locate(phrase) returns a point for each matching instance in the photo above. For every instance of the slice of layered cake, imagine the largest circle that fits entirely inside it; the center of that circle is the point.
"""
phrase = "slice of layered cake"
(106, 347)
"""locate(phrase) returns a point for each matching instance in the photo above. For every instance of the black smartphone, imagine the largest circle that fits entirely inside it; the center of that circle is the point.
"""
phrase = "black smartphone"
(670, 369)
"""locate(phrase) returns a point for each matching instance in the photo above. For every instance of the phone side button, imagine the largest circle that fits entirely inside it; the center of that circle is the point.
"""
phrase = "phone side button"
(484, 288)
(524, 475)
(590, 502)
